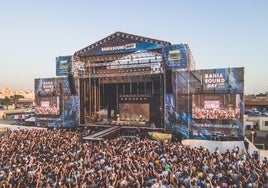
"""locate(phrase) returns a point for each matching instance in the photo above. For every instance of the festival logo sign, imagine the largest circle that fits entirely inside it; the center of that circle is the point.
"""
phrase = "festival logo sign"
(228, 79)
(48, 86)
(215, 80)
(45, 86)
(120, 47)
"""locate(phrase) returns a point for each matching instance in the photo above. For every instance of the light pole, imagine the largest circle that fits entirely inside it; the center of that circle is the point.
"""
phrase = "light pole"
(252, 135)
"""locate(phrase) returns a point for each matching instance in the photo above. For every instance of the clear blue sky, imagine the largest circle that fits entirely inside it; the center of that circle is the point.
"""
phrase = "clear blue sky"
(229, 33)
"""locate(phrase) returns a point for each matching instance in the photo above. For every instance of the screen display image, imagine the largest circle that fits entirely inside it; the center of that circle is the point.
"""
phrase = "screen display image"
(47, 106)
(134, 111)
(212, 104)
(216, 106)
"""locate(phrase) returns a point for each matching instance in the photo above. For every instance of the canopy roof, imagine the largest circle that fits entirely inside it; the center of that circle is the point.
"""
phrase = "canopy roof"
(120, 42)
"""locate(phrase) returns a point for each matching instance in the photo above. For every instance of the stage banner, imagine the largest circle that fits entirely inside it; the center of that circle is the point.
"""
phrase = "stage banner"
(52, 86)
(208, 104)
(63, 65)
(127, 47)
(175, 56)
(223, 80)
(45, 87)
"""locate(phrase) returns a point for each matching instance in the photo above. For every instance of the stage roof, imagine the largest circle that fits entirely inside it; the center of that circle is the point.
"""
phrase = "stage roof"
(120, 42)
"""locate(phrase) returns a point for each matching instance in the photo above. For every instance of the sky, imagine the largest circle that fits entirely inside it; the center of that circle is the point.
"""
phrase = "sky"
(220, 34)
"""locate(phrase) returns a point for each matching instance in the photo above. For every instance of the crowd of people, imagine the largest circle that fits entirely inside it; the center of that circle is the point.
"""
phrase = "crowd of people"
(51, 110)
(214, 113)
(61, 158)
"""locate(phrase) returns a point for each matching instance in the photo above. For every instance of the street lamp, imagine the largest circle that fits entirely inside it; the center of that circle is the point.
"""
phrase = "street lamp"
(252, 135)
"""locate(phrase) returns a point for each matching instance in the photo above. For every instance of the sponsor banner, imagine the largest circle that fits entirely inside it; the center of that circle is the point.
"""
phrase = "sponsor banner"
(63, 65)
(160, 137)
(175, 56)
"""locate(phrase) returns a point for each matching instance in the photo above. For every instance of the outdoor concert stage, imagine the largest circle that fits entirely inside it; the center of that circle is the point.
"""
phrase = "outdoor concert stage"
(122, 80)
(135, 82)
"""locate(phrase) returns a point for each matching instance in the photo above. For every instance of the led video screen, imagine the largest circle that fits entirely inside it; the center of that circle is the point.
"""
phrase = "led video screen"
(216, 106)
(47, 106)
(134, 111)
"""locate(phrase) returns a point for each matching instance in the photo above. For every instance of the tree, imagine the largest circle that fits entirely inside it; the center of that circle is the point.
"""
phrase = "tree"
(7, 102)
(15, 99)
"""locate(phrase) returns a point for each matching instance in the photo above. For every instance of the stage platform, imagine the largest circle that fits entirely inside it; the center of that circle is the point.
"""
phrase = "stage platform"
(103, 131)
(99, 135)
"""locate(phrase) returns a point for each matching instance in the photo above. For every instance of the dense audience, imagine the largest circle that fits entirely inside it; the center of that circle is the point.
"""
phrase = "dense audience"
(60, 158)
(214, 113)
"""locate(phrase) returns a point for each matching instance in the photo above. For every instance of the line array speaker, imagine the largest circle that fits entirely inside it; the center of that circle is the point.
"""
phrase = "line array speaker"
(72, 84)
(169, 88)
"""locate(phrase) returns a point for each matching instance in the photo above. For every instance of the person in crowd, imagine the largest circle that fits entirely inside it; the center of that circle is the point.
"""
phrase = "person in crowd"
(61, 158)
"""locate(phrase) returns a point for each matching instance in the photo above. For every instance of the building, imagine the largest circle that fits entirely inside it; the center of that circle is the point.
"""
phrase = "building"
(6, 92)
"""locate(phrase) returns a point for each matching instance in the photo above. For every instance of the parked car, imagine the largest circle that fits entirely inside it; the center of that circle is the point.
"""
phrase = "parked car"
(253, 112)
(17, 122)
(264, 113)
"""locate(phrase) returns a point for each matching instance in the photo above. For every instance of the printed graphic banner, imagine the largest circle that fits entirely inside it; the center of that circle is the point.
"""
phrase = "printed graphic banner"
(229, 80)
(206, 104)
(127, 47)
(52, 86)
(63, 65)
(175, 56)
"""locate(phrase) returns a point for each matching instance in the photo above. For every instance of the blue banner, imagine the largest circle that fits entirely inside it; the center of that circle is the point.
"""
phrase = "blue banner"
(56, 106)
(52, 86)
(208, 104)
(66, 117)
(224, 80)
(63, 65)
(175, 56)
(127, 48)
